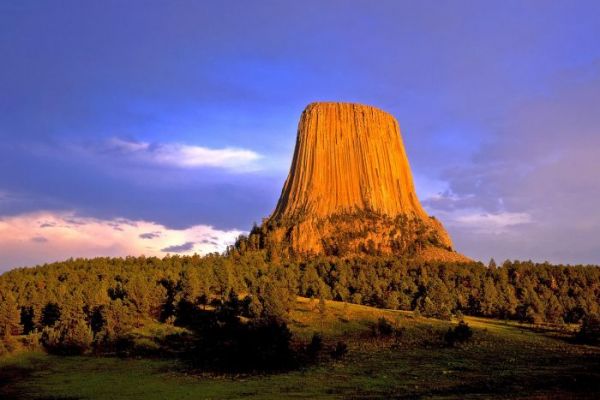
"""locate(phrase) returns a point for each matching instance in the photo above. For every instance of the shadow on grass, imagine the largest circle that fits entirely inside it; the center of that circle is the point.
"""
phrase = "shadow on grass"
(577, 384)
(9, 376)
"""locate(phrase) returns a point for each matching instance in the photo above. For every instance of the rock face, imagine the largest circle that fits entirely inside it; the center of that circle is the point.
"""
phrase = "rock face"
(348, 157)
(350, 191)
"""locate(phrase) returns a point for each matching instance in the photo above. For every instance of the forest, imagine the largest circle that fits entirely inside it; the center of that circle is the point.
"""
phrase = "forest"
(92, 305)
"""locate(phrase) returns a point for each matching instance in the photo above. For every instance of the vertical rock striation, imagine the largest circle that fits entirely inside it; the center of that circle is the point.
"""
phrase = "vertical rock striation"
(348, 157)
(350, 191)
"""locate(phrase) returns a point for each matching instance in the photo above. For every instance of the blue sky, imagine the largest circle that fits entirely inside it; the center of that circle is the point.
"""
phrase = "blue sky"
(168, 127)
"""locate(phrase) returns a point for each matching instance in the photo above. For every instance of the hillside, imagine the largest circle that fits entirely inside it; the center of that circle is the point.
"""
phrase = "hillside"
(501, 360)
(231, 326)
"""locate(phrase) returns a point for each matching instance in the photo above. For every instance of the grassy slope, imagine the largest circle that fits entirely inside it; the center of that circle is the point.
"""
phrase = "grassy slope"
(504, 360)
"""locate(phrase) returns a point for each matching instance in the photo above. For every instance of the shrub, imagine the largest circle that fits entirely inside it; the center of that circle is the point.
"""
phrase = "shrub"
(315, 346)
(78, 337)
(589, 333)
(339, 351)
(9, 344)
(460, 334)
(145, 347)
(383, 328)
(266, 345)
(32, 341)
(68, 338)
(235, 346)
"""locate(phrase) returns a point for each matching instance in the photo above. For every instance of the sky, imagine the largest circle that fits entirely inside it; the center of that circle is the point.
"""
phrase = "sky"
(168, 127)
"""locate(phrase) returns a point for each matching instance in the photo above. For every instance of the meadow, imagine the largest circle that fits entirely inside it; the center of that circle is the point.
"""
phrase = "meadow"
(502, 360)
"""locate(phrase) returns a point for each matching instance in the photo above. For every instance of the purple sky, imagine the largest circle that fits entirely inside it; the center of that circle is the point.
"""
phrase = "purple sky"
(168, 127)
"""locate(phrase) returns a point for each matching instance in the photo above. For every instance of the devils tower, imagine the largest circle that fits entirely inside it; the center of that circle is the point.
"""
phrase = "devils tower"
(348, 157)
(350, 191)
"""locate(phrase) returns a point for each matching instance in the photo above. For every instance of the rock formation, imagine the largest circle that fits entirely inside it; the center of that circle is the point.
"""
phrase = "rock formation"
(348, 157)
(350, 191)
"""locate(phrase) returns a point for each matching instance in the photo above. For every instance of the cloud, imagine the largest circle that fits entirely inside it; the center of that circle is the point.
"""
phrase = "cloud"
(485, 222)
(149, 235)
(532, 189)
(39, 237)
(186, 156)
(180, 248)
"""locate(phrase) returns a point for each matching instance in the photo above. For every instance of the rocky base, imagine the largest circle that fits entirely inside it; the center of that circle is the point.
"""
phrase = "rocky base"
(359, 233)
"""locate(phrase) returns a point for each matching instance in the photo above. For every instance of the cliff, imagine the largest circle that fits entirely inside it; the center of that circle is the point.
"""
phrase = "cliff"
(348, 157)
(350, 190)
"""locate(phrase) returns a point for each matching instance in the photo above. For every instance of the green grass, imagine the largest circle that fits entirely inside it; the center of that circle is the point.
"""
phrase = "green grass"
(503, 360)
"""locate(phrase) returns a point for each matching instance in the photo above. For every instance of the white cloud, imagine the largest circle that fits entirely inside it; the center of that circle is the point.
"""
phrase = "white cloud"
(484, 222)
(188, 156)
(496, 221)
(39, 237)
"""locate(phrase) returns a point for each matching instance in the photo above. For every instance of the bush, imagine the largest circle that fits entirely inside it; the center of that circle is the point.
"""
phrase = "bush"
(235, 346)
(339, 351)
(589, 333)
(460, 334)
(8, 344)
(51, 338)
(68, 338)
(32, 341)
(315, 346)
(145, 347)
(383, 328)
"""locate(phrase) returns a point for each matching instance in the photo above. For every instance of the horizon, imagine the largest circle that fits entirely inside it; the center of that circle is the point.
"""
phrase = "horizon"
(168, 128)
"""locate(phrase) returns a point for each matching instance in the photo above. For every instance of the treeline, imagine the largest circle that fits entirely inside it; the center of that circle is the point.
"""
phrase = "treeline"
(82, 303)
(523, 291)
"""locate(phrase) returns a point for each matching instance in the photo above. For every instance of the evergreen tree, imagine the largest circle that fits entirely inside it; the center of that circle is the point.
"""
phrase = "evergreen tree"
(437, 301)
(191, 285)
(10, 316)
(310, 282)
(50, 314)
(490, 300)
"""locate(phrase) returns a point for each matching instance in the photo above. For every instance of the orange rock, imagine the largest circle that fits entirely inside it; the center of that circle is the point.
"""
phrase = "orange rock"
(350, 190)
(348, 157)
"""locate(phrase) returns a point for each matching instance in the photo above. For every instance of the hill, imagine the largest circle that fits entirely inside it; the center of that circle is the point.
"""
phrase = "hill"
(231, 325)
(503, 359)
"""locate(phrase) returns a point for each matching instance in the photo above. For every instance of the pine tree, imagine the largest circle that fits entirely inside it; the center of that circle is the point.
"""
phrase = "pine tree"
(191, 286)
(437, 301)
(10, 316)
(310, 282)
(490, 299)
(274, 298)
(50, 314)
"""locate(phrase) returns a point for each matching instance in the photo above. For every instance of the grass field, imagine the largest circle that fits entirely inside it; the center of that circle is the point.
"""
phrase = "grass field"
(503, 360)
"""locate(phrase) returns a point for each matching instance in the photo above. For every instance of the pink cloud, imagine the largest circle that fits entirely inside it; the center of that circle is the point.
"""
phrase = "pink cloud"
(39, 237)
